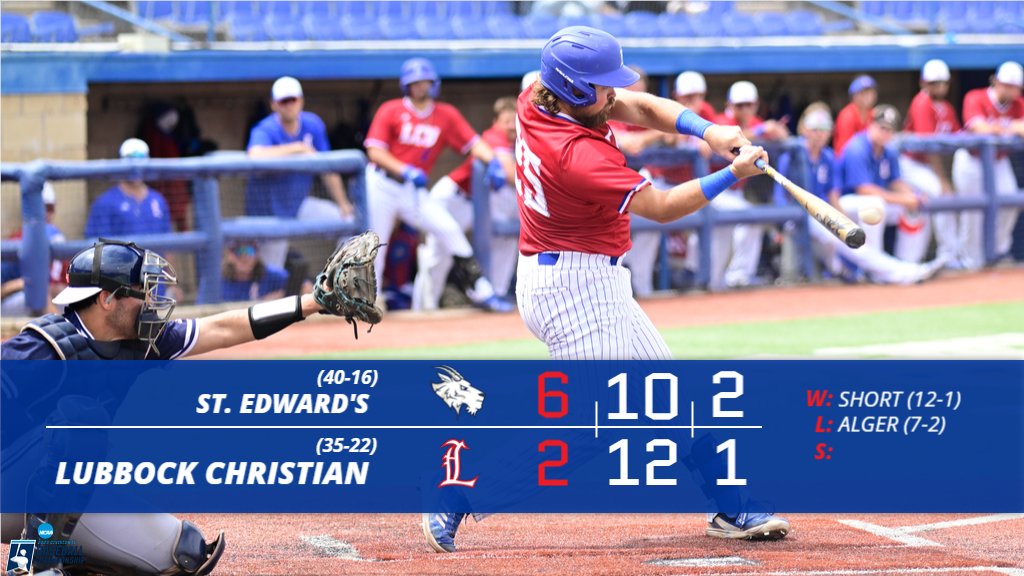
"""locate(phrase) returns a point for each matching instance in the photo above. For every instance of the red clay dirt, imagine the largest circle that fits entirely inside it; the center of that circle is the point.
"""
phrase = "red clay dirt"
(404, 329)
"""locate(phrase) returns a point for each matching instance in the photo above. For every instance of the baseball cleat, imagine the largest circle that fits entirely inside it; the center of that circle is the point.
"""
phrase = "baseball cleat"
(440, 528)
(752, 526)
(497, 304)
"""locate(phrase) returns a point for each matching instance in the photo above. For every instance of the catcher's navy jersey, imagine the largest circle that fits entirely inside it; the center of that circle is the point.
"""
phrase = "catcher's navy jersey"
(177, 340)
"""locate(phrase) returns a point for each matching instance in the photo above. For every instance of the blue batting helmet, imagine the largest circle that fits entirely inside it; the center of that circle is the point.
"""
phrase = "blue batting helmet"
(122, 268)
(578, 58)
(417, 69)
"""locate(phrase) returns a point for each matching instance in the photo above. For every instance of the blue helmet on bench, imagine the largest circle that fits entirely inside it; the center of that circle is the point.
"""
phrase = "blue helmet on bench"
(417, 69)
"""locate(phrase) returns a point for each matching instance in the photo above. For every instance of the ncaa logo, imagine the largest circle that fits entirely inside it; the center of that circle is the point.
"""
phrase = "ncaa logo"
(45, 531)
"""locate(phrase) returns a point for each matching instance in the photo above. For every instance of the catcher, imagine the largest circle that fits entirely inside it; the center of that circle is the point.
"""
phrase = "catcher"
(116, 308)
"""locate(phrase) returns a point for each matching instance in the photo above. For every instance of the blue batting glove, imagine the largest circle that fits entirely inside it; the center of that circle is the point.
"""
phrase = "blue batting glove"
(416, 176)
(496, 174)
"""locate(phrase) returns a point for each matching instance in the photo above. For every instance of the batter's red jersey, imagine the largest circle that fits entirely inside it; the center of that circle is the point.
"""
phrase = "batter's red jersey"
(927, 116)
(981, 104)
(848, 122)
(416, 137)
(573, 185)
(497, 139)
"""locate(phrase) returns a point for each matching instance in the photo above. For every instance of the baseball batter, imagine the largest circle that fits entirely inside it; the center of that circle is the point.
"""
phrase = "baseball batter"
(575, 197)
(405, 138)
(997, 110)
(454, 192)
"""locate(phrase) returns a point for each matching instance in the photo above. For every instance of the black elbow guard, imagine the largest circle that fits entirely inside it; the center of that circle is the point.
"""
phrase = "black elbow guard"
(268, 318)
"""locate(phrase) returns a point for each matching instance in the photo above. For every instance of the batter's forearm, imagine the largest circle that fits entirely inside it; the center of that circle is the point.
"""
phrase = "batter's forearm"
(664, 206)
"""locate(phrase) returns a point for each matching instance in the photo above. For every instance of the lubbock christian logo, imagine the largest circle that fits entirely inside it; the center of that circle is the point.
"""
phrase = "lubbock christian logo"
(452, 463)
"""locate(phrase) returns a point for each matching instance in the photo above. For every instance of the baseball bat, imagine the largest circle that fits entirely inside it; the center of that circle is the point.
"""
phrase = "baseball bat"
(833, 220)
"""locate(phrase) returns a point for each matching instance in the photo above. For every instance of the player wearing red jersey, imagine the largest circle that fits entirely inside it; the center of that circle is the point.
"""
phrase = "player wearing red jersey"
(405, 138)
(575, 198)
(454, 192)
(855, 116)
(929, 113)
(997, 110)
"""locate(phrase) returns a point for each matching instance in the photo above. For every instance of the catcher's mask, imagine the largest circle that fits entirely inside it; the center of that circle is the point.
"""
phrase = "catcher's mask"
(124, 270)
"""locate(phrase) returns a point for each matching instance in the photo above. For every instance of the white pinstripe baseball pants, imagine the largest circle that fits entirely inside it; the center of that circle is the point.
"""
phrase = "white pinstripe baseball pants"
(582, 307)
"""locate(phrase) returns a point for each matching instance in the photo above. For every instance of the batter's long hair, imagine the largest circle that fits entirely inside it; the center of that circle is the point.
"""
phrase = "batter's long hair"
(545, 98)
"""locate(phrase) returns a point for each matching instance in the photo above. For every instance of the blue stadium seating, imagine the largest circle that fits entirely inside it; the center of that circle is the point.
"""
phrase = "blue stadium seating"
(433, 28)
(15, 28)
(284, 27)
(641, 24)
(771, 24)
(192, 13)
(48, 26)
(614, 25)
(321, 27)
(156, 10)
(247, 28)
(804, 23)
(675, 25)
(398, 28)
(538, 25)
(737, 24)
(504, 26)
(355, 27)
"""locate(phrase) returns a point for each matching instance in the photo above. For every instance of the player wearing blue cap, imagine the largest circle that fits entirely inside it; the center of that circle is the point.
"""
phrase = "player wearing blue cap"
(856, 115)
(575, 198)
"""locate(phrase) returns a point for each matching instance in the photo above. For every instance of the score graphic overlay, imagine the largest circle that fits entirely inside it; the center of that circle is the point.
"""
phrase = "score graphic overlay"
(537, 436)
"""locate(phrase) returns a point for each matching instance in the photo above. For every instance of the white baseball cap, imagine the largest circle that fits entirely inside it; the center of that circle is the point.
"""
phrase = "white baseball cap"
(49, 197)
(742, 92)
(286, 87)
(134, 148)
(1010, 73)
(690, 82)
(528, 79)
(935, 71)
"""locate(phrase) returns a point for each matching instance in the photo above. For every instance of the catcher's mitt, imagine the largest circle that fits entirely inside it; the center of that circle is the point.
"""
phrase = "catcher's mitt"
(348, 286)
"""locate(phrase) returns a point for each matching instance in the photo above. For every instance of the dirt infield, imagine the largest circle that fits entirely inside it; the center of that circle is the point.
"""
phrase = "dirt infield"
(617, 545)
(406, 329)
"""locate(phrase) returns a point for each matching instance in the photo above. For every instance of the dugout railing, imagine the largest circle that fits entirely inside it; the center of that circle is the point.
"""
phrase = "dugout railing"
(212, 231)
(704, 221)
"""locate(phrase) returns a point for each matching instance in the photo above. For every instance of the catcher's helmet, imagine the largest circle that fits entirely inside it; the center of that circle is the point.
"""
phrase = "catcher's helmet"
(416, 69)
(578, 58)
(124, 269)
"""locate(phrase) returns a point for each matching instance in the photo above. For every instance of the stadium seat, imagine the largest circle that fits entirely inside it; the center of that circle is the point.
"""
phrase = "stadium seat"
(284, 27)
(804, 23)
(539, 25)
(15, 28)
(614, 25)
(228, 9)
(50, 26)
(504, 26)
(771, 24)
(675, 25)
(156, 10)
(582, 20)
(246, 28)
(278, 8)
(398, 28)
(436, 28)
(322, 28)
(642, 24)
(735, 24)
(192, 13)
(360, 28)
(705, 26)
(320, 8)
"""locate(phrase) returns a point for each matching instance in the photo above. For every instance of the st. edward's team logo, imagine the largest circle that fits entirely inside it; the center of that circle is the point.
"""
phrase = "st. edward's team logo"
(456, 392)
(19, 558)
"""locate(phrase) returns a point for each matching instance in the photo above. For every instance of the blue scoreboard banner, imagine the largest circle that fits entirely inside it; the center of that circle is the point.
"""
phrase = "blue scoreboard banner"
(513, 436)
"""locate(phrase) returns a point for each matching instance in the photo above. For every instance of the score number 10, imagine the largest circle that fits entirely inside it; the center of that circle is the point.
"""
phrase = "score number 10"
(622, 446)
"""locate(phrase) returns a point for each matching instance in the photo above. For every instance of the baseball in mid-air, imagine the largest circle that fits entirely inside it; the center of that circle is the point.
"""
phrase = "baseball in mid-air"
(871, 214)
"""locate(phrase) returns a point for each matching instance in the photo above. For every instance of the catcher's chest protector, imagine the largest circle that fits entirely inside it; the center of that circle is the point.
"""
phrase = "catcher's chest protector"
(70, 344)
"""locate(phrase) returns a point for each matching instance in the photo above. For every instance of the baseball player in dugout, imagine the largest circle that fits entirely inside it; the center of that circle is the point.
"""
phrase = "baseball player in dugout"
(856, 115)
(115, 308)
(454, 192)
(996, 110)
(404, 141)
(931, 113)
(575, 197)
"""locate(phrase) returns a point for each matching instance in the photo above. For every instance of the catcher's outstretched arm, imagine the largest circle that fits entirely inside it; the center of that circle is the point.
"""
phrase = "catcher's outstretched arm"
(236, 327)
